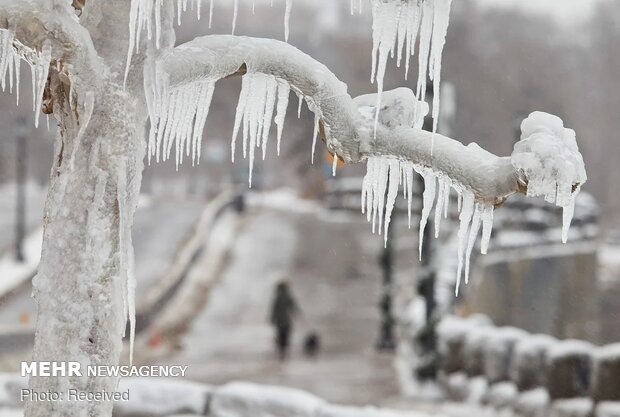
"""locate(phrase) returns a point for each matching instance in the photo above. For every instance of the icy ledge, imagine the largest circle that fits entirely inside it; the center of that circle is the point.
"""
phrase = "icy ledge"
(179, 89)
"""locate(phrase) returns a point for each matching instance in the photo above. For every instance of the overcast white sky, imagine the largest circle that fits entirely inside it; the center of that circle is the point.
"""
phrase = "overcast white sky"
(564, 10)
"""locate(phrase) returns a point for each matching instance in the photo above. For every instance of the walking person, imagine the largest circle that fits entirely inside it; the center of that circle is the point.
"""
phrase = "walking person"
(283, 312)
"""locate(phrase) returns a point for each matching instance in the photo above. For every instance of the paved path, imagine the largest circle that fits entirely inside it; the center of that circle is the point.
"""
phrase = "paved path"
(335, 282)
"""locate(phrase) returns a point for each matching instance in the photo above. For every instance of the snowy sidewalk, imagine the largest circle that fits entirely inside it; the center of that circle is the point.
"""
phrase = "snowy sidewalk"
(337, 286)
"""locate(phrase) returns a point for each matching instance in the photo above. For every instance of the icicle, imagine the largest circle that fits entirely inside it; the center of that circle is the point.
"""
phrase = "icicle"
(40, 70)
(379, 197)
(235, 13)
(428, 198)
(392, 193)
(334, 164)
(7, 54)
(446, 199)
(374, 187)
(407, 168)
(283, 97)
(426, 31)
(17, 63)
(133, 28)
(465, 220)
(10, 61)
(87, 112)
(568, 211)
(385, 28)
(473, 234)
(178, 118)
(270, 103)
(440, 29)
(287, 19)
(395, 26)
(315, 134)
(211, 13)
(128, 281)
(439, 207)
(241, 104)
(301, 101)
(255, 110)
(487, 227)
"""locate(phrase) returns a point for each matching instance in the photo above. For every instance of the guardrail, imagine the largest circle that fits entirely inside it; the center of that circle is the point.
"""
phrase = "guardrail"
(531, 375)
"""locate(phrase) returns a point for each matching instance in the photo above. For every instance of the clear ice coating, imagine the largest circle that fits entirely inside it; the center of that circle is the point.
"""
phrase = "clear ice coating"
(255, 109)
(178, 118)
(12, 52)
(380, 188)
(395, 28)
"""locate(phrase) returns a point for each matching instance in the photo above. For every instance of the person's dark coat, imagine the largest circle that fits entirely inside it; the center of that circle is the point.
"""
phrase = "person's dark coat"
(284, 308)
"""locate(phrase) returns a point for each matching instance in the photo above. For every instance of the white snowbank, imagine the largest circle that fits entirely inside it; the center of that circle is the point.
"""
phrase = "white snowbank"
(608, 409)
(576, 407)
(569, 348)
(340, 411)
(162, 397)
(533, 403)
(242, 399)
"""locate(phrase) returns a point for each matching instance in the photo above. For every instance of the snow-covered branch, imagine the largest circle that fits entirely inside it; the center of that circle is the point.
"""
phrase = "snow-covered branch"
(180, 86)
(44, 33)
(346, 129)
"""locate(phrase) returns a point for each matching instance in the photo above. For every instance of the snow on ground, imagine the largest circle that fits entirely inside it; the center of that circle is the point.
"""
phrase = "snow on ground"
(337, 287)
(155, 219)
(12, 273)
(35, 196)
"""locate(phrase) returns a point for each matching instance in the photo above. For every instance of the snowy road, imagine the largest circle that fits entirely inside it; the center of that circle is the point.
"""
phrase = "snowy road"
(160, 227)
(333, 273)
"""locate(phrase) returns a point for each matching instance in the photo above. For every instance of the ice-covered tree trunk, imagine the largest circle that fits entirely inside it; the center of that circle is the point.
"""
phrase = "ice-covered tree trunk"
(84, 287)
(80, 288)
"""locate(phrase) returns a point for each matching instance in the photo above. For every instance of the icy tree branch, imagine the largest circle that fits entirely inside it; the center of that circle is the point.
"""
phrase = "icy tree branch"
(345, 127)
(51, 24)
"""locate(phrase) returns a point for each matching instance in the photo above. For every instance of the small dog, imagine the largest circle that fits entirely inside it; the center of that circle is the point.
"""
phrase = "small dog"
(312, 344)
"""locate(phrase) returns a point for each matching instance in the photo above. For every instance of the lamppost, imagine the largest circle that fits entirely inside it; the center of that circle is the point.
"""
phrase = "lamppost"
(21, 138)
(386, 339)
